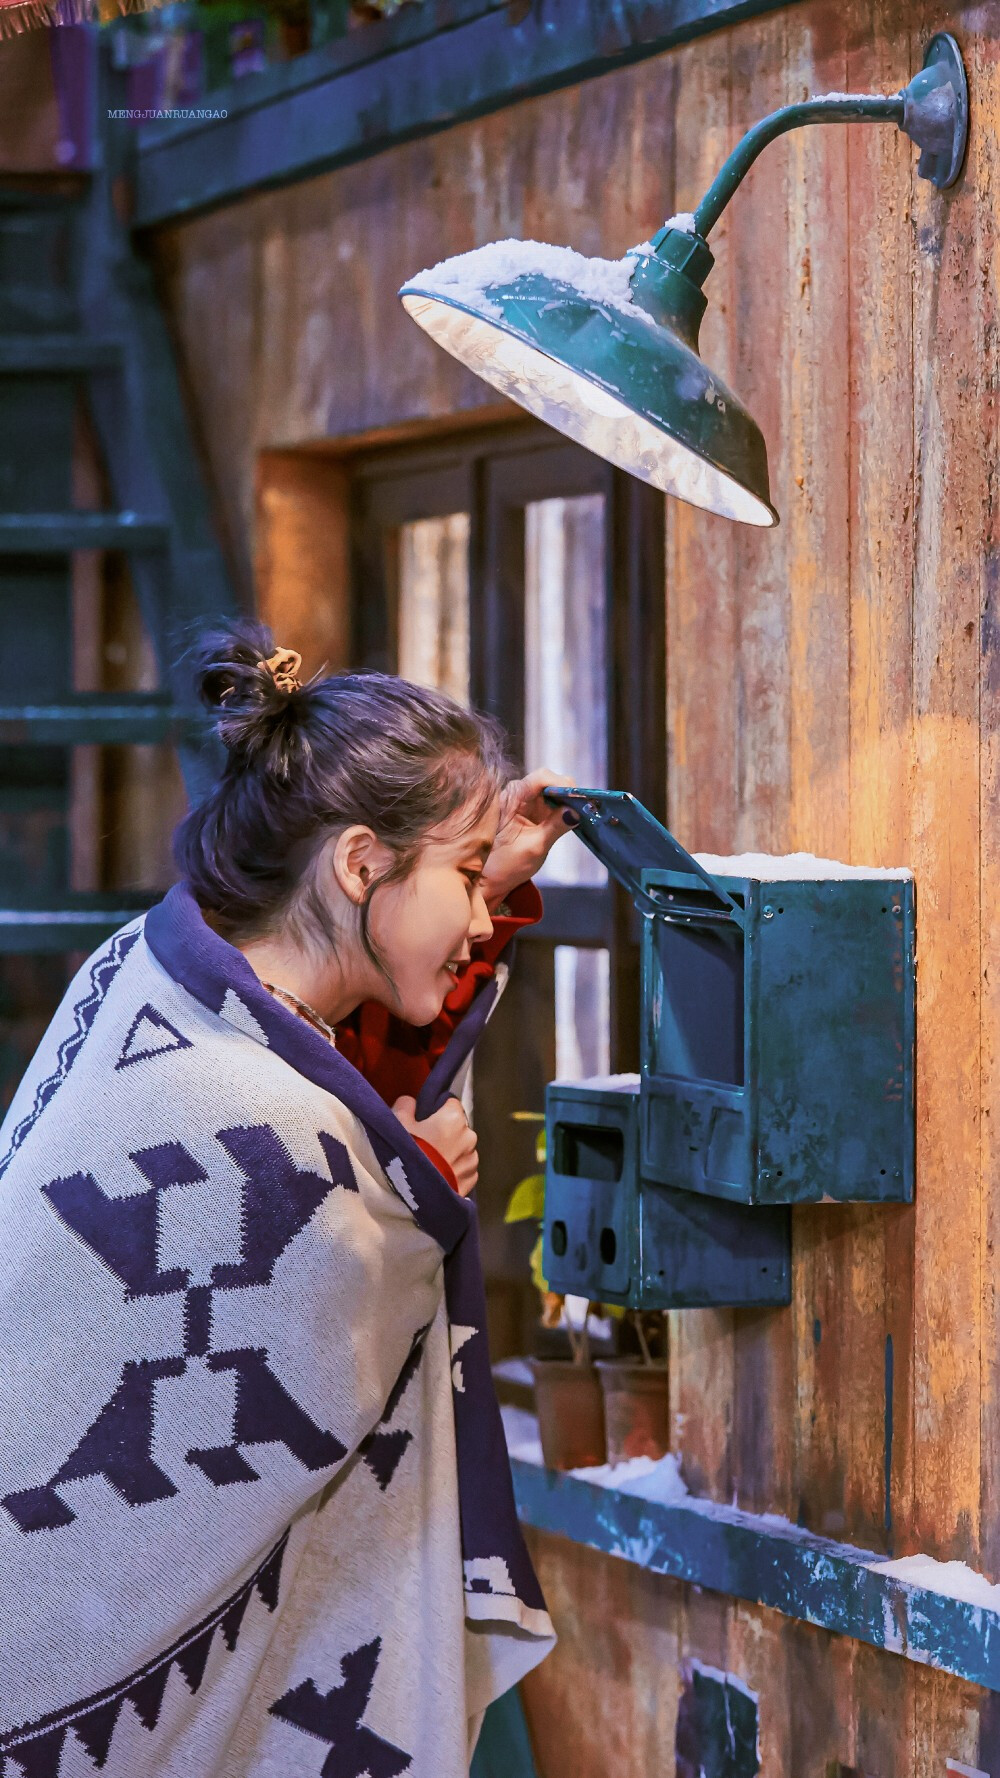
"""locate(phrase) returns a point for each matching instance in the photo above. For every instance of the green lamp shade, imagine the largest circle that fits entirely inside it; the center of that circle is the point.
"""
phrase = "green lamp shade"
(566, 338)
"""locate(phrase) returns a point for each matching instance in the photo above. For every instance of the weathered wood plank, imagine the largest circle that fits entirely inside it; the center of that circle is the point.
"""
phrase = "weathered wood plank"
(948, 533)
(985, 74)
(760, 323)
(621, 1636)
(875, 1285)
(702, 641)
(813, 378)
(851, 1438)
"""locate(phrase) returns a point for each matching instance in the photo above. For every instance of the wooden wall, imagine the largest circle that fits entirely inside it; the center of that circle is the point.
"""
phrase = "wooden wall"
(606, 1700)
(832, 686)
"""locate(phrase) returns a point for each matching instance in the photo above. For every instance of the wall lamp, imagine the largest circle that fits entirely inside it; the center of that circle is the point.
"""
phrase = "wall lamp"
(606, 351)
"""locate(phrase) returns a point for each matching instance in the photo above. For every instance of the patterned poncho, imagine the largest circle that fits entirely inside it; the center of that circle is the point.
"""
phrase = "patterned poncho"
(256, 1514)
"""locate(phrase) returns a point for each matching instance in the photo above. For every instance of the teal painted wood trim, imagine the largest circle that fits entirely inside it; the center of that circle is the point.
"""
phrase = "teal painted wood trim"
(79, 924)
(31, 354)
(331, 107)
(57, 533)
(504, 1746)
(747, 1557)
(97, 721)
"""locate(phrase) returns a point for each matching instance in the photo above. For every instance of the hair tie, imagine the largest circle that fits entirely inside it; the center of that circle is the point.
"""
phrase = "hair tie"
(283, 666)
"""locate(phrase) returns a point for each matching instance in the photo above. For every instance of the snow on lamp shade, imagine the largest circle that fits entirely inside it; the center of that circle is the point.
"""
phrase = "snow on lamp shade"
(605, 357)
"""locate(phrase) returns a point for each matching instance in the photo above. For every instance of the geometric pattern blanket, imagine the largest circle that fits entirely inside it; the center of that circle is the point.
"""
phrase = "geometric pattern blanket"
(256, 1514)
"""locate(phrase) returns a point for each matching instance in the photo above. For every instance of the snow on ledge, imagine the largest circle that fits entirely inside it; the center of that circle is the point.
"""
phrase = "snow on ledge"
(661, 1481)
(952, 1580)
(649, 1478)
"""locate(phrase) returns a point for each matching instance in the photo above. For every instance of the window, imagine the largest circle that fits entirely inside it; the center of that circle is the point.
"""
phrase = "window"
(565, 720)
(525, 575)
(433, 620)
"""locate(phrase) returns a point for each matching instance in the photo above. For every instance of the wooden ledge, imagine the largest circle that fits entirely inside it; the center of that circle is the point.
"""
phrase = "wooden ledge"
(769, 1562)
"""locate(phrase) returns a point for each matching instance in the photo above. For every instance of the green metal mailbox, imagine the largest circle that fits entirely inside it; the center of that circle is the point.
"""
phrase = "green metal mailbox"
(778, 1039)
(778, 1016)
(616, 1237)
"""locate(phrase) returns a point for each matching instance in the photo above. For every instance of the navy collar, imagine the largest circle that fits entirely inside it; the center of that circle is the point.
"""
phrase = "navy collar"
(218, 975)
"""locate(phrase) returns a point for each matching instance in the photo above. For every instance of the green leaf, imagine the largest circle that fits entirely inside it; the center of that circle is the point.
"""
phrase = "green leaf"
(527, 1200)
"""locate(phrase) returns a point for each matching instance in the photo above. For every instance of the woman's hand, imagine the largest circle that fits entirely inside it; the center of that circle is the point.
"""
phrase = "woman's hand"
(527, 831)
(450, 1132)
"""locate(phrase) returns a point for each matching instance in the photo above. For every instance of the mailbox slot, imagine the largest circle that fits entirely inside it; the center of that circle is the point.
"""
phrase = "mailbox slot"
(614, 1236)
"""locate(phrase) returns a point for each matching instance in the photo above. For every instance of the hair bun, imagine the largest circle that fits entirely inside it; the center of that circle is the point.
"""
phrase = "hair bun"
(253, 691)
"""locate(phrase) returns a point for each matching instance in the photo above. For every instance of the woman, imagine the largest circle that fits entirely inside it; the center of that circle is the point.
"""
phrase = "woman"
(255, 1512)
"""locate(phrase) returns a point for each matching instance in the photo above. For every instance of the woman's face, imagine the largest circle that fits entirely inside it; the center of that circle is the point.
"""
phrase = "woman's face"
(423, 926)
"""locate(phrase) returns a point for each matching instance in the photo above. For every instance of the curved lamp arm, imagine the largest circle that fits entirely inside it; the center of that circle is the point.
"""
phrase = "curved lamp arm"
(836, 108)
(933, 110)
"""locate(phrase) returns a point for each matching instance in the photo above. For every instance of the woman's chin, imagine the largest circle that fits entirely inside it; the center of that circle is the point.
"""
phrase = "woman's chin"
(423, 1008)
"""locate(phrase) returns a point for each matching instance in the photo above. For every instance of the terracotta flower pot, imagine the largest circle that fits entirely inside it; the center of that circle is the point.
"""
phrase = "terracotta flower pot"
(570, 1408)
(636, 1408)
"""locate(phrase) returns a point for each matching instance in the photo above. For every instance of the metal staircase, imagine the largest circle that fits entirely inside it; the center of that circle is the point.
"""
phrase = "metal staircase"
(80, 324)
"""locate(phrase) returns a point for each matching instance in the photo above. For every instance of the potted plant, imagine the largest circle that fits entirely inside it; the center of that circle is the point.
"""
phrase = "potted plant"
(568, 1397)
(636, 1393)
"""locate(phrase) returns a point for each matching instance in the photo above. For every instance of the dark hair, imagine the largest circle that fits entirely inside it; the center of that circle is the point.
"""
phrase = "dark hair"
(305, 761)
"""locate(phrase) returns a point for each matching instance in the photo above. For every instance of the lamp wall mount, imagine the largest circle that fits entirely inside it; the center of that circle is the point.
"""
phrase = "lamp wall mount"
(932, 109)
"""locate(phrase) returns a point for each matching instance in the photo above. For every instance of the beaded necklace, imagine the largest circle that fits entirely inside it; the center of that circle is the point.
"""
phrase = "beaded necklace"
(304, 1011)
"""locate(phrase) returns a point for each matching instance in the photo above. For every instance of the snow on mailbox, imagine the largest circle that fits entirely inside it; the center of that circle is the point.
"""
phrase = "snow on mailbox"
(778, 1016)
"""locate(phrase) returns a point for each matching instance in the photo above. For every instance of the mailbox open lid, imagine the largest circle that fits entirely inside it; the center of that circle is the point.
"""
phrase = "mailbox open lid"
(629, 841)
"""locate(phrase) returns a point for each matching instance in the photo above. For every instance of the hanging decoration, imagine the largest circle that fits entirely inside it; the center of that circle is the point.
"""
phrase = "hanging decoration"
(25, 15)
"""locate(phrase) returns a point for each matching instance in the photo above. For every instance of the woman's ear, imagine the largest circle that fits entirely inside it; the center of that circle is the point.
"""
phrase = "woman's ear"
(356, 860)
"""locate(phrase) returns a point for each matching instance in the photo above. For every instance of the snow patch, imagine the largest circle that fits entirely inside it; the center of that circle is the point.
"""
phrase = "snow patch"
(521, 1432)
(953, 1580)
(605, 1083)
(730, 1679)
(795, 867)
(649, 1478)
(825, 98)
(684, 221)
(468, 278)
(514, 1370)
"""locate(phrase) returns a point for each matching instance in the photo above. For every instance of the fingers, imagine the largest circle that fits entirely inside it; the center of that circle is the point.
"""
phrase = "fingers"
(523, 796)
(466, 1168)
(450, 1120)
(450, 1132)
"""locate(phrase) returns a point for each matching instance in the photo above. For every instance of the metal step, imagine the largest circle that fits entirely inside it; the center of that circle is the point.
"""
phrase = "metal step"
(31, 354)
(58, 533)
(99, 719)
(78, 923)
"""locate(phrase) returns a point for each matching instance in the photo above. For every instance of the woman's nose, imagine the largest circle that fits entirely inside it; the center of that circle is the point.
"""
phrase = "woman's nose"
(480, 924)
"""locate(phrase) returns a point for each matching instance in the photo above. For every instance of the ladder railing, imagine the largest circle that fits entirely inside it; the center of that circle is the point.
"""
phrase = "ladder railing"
(80, 315)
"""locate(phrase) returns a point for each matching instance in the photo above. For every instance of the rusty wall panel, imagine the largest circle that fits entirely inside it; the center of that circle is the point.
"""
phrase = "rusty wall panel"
(607, 1698)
